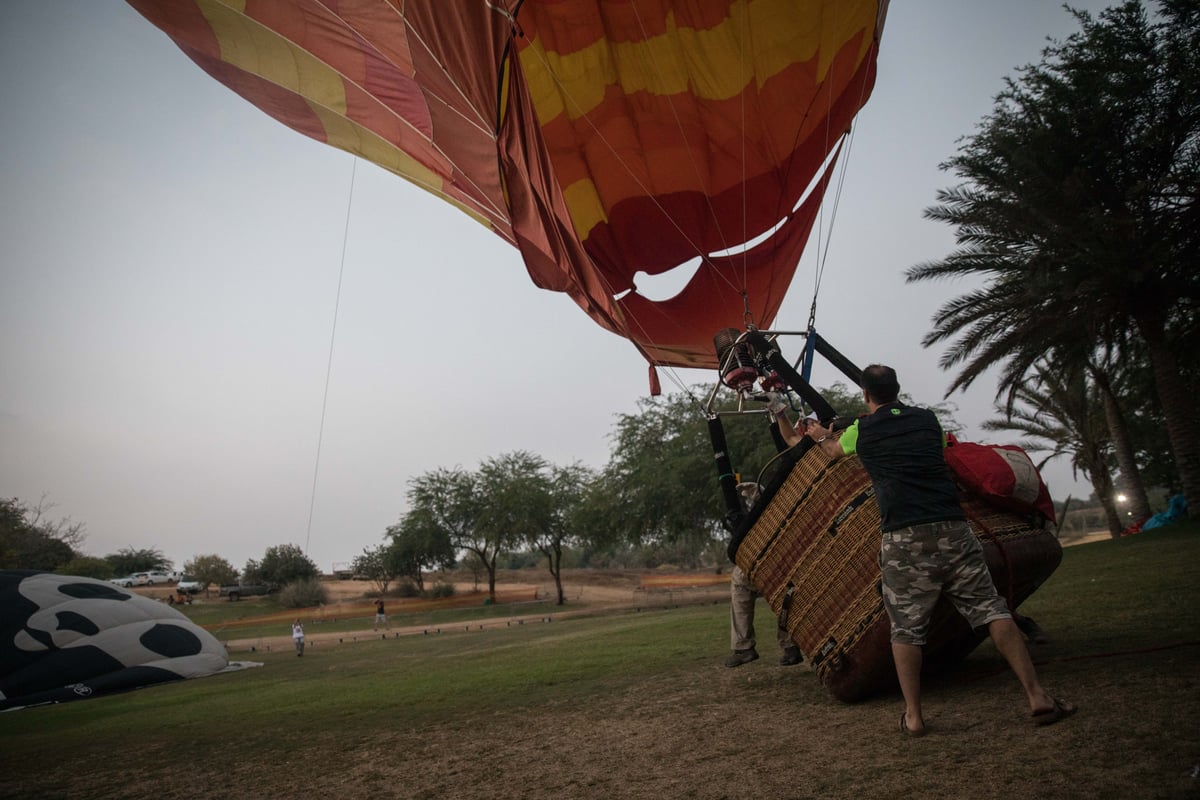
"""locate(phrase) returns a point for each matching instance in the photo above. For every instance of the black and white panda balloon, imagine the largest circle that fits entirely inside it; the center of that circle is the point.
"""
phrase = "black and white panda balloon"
(65, 638)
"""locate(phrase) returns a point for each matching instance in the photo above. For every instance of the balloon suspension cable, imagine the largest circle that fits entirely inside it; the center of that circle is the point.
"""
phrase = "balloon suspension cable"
(337, 302)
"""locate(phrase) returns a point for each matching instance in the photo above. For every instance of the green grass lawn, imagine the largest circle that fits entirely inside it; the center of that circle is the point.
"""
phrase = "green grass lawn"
(1122, 615)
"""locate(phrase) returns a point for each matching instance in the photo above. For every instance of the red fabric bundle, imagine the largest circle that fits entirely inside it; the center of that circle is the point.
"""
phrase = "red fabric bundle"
(1002, 474)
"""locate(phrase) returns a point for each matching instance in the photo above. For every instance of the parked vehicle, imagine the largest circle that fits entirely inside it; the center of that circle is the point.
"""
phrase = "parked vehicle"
(149, 578)
(237, 591)
(126, 581)
(189, 585)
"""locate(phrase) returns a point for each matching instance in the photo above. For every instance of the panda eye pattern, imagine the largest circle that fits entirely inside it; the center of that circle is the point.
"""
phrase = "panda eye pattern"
(171, 641)
(70, 621)
(70, 640)
(94, 591)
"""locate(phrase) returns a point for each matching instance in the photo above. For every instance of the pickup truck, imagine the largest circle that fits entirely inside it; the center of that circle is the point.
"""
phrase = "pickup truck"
(237, 591)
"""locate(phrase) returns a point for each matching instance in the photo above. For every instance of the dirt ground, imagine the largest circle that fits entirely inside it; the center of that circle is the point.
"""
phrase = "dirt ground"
(763, 731)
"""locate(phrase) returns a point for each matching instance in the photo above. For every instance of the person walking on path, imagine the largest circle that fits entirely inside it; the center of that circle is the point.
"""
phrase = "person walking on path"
(298, 637)
(928, 549)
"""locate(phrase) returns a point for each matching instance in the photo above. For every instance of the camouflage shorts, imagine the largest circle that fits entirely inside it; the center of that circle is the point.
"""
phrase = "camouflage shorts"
(923, 562)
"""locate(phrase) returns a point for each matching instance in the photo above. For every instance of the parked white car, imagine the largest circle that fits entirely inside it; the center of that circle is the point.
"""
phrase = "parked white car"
(189, 585)
(127, 581)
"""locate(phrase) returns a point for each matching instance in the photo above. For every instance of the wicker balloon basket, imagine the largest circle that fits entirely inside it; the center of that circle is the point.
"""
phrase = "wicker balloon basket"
(811, 547)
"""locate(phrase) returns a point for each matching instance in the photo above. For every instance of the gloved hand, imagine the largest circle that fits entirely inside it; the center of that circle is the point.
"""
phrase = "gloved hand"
(776, 402)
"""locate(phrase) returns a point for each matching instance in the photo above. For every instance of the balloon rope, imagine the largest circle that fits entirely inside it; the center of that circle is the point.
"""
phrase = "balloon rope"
(337, 302)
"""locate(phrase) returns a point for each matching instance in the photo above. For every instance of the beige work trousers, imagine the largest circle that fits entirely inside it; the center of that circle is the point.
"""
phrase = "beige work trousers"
(742, 598)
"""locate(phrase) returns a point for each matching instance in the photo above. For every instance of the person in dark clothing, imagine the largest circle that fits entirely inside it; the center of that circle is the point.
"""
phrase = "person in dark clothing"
(381, 616)
(928, 549)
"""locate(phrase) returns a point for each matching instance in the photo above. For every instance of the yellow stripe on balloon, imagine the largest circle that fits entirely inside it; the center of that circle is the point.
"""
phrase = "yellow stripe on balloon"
(347, 135)
(583, 204)
(249, 46)
(760, 38)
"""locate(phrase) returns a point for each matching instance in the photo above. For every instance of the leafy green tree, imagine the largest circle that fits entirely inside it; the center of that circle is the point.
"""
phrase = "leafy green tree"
(515, 499)
(418, 545)
(1078, 210)
(282, 564)
(210, 570)
(376, 566)
(451, 501)
(660, 484)
(87, 567)
(556, 530)
(128, 560)
(24, 544)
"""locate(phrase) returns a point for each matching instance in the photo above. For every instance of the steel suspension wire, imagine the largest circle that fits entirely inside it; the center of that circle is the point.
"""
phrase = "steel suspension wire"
(337, 302)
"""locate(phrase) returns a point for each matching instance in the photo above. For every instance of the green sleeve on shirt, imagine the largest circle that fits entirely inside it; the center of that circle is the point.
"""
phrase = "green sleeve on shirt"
(849, 440)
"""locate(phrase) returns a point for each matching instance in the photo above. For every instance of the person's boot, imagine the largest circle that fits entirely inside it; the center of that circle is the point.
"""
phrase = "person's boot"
(791, 656)
(739, 657)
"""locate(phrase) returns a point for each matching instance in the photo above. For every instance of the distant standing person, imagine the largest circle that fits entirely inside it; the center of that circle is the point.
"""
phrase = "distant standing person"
(928, 549)
(298, 637)
(380, 616)
(742, 599)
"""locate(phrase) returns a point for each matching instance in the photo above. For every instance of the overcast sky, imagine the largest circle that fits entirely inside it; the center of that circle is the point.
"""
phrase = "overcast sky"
(169, 274)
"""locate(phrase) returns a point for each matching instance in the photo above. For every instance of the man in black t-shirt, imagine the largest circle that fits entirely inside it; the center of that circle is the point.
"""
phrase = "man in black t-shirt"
(928, 549)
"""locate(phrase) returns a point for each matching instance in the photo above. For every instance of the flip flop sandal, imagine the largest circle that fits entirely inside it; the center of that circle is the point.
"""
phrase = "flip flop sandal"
(907, 731)
(1060, 710)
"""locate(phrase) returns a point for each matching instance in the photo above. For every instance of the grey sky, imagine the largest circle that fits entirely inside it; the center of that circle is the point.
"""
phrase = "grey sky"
(169, 261)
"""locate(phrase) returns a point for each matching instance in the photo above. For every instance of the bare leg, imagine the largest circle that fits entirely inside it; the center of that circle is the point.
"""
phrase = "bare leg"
(908, 659)
(1007, 636)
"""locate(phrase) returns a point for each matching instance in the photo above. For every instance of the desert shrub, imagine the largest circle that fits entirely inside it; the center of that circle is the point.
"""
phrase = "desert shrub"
(443, 589)
(406, 588)
(304, 593)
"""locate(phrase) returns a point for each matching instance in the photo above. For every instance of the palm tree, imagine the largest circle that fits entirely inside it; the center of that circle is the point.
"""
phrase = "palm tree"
(1061, 413)
(1079, 213)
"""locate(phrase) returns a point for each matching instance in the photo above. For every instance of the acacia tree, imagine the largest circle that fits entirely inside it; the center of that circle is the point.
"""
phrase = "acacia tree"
(451, 502)
(128, 560)
(517, 503)
(551, 532)
(281, 564)
(1078, 209)
(28, 542)
(417, 545)
(375, 565)
(210, 569)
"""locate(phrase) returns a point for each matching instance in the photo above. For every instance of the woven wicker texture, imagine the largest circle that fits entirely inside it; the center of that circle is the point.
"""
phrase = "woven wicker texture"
(813, 553)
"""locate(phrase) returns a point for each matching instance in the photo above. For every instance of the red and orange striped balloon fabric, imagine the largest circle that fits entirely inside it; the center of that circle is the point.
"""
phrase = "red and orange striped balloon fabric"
(603, 138)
